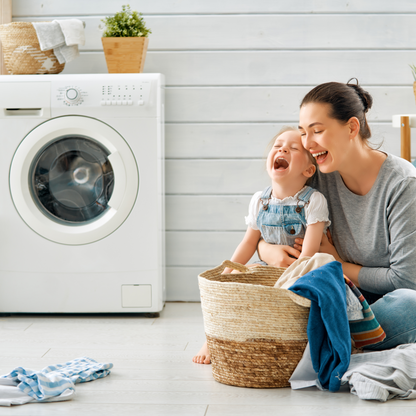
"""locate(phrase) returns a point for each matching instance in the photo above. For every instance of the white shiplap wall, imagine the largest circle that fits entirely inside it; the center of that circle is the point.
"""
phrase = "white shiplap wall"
(236, 71)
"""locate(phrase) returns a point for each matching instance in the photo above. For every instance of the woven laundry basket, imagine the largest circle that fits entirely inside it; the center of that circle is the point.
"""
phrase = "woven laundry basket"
(21, 50)
(256, 333)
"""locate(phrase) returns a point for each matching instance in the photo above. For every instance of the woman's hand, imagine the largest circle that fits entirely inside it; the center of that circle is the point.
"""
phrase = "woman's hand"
(277, 255)
(327, 246)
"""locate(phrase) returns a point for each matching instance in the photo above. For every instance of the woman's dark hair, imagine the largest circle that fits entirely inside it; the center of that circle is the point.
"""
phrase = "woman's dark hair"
(346, 101)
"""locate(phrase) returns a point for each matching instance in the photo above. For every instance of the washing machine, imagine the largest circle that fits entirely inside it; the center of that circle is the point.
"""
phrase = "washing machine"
(82, 193)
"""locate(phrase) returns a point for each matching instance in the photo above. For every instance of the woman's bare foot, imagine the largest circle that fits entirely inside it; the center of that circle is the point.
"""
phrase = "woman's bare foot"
(203, 356)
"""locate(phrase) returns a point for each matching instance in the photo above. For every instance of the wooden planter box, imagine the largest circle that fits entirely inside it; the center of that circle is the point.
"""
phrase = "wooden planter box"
(125, 55)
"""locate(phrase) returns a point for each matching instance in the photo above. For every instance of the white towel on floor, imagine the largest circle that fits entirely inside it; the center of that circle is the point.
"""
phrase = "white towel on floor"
(63, 36)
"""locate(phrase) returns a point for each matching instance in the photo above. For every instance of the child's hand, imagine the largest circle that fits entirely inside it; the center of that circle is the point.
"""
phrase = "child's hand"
(277, 255)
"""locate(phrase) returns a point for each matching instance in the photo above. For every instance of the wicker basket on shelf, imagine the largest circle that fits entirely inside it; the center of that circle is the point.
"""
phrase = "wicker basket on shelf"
(256, 333)
(21, 50)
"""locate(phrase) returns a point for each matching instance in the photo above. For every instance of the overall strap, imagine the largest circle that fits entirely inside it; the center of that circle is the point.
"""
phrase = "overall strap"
(306, 193)
(265, 197)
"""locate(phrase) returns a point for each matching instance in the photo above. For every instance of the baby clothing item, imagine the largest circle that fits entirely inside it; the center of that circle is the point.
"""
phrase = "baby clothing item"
(304, 265)
(281, 221)
(364, 327)
(366, 331)
(63, 36)
(328, 330)
(53, 383)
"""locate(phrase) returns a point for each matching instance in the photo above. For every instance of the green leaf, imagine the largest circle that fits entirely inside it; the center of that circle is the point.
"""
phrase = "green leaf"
(126, 23)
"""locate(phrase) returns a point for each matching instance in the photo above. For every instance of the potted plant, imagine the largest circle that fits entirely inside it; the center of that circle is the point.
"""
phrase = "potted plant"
(125, 41)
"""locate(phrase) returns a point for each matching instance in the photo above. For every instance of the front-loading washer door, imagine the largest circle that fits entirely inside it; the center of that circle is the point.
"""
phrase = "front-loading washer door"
(74, 180)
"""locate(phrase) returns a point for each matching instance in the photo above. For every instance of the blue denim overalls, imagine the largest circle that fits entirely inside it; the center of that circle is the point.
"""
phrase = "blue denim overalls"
(281, 224)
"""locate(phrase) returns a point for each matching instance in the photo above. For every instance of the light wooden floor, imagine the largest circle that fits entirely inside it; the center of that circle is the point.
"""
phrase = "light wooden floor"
(153, 373)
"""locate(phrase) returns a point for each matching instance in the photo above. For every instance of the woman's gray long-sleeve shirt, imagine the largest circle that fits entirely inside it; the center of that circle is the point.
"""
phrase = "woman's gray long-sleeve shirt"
(376, 230)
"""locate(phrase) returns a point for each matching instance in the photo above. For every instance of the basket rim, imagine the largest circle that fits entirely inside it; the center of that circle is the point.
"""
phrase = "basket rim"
(299, 300)
(239, 283)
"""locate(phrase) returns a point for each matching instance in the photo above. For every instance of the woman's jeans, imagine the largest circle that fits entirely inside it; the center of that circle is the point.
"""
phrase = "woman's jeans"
(396, 313)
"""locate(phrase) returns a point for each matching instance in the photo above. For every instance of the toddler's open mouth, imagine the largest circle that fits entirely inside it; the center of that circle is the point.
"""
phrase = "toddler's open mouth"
(281, 164)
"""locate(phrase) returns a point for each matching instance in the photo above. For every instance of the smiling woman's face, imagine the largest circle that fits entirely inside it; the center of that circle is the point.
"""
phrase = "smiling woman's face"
(325, 137)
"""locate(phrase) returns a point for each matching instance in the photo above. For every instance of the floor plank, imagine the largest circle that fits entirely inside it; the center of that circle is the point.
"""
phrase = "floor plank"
(153, 372)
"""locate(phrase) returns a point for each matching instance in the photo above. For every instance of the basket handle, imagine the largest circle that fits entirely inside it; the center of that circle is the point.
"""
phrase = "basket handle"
(234, 266)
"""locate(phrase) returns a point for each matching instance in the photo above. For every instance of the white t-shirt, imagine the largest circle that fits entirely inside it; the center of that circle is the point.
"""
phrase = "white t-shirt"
(315, 211)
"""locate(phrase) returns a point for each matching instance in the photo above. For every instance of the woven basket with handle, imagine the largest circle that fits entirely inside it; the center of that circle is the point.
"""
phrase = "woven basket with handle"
(22, 54)
(256, 333)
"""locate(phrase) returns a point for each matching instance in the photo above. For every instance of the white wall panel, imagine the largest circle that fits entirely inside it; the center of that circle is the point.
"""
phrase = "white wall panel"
(228, 140)
(268, 104)
(283, 32)
(250, 140)
(236, 71)
(64, 7)
(182, 283)
(202, 249)
(206, 212)
(215, 176)
(266, 67)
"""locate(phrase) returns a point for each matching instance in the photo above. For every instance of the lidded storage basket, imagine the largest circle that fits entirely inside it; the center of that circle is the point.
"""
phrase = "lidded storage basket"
(256, 333)
(21, 50)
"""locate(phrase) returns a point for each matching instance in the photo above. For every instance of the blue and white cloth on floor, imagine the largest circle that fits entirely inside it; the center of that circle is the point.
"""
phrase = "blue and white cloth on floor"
(55, 380)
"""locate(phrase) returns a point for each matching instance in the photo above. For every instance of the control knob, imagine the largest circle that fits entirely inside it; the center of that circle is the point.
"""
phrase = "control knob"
(72, 95)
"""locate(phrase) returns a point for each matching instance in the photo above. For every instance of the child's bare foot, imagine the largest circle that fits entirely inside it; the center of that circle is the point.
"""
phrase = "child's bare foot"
(203, 356)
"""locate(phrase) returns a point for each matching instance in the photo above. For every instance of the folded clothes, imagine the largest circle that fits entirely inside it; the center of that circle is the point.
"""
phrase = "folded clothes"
(55, 382)
(63, 36)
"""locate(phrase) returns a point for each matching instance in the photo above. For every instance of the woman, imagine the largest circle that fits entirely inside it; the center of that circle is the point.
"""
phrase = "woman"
(372, 207)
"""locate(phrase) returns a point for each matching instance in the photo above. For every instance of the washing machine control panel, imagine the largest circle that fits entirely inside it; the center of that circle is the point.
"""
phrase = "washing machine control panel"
(120, 94)
(125, 94)
(100, 96)
(71, 95)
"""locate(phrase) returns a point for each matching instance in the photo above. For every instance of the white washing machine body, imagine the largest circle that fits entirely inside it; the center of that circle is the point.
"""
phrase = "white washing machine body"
(82, 193)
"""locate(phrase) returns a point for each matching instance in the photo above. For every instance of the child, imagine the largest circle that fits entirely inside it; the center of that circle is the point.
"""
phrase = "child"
(284, 211)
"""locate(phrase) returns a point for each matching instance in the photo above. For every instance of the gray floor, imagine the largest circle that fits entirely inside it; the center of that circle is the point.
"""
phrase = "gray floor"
(153, 373)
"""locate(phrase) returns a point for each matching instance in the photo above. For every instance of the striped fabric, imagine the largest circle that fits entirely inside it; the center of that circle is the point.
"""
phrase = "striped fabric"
(54, 380)
(366, 331)
(383, 375)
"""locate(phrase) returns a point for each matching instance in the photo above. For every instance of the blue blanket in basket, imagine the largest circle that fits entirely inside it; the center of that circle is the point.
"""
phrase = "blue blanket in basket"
(328, 330)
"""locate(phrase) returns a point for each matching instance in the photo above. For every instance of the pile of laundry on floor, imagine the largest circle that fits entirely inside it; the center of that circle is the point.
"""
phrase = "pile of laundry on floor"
(54, 383)
(339, 313)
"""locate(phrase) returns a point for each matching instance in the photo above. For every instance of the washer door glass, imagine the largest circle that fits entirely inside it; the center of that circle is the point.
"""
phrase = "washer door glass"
(72, 179)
